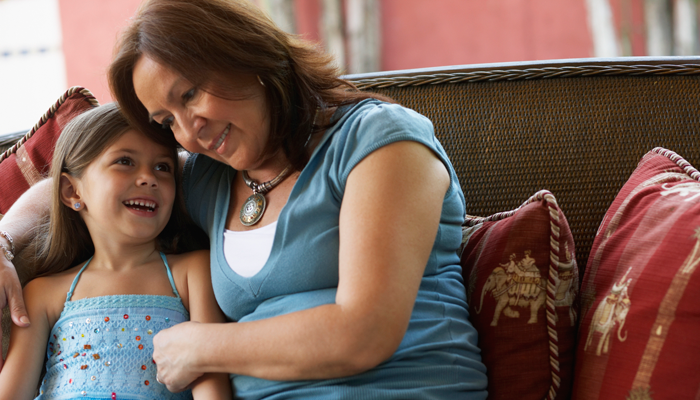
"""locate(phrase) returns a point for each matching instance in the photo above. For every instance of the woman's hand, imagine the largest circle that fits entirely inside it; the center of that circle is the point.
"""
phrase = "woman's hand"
(19, 220)
(174, 353)
(11, 294)
(25, 357)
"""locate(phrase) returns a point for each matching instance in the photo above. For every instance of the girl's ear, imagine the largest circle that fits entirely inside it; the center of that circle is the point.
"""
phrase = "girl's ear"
(69, 192)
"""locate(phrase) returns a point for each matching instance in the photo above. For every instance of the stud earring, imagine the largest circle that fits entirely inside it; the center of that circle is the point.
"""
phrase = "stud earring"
(260, 80)
(77, 206)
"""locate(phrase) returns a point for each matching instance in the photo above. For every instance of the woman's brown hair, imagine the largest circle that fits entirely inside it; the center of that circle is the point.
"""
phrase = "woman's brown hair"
(209, 42)
(62, 239)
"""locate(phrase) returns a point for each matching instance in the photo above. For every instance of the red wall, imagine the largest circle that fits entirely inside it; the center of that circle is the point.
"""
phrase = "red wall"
(89, 31)
(308, 13)
(415, 33)
(629, 21)
(419, 33)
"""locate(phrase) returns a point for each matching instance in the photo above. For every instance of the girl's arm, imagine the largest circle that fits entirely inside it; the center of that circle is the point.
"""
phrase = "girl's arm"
(204, 309)
(25, 358)
(25, 214)
(383, 253)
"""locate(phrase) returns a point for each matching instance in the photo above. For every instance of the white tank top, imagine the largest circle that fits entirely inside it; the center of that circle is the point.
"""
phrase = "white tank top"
(247, 252)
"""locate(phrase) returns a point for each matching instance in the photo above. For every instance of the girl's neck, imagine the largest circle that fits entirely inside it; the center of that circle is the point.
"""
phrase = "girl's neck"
(119, 257)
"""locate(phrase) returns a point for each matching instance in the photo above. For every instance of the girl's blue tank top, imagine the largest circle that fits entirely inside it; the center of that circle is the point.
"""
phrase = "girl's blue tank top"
(102, 347)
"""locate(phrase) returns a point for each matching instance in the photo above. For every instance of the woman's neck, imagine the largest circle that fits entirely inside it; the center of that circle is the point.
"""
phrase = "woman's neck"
(272, 166)
(269, 168)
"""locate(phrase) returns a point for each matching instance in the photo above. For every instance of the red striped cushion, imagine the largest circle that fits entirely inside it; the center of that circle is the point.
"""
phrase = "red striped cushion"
(29, 160)
(521, 276)
(640, 296)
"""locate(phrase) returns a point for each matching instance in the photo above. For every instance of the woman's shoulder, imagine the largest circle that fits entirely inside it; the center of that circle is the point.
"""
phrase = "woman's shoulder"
(199, 164)
(370, 124)
(381, 112)
(201, 178)
(372, 121)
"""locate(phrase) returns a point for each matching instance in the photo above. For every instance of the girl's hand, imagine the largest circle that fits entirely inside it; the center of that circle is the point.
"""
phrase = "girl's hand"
(175, 356)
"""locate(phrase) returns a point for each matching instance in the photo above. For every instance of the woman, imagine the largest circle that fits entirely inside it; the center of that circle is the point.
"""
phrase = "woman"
(333, 216)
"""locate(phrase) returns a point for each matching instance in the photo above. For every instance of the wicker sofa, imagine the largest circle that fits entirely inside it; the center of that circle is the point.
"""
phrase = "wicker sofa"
(575, 127)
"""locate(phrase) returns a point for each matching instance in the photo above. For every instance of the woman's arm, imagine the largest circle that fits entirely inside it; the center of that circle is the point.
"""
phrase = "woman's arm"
(19, 221)
(203, 308)
(25, 358)
(388, 223)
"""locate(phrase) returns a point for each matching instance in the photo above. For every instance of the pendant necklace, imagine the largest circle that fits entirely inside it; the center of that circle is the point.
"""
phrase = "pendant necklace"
(254, 206)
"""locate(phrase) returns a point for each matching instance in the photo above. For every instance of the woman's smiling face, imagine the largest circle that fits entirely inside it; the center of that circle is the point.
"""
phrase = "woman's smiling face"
(233, 131)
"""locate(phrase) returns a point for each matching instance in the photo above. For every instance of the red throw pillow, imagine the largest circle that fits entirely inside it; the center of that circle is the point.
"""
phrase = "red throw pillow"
(28, 161)
(640, 322)
(521, 276)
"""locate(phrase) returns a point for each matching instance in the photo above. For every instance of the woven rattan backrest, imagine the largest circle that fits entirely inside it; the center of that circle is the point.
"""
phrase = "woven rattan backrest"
(577, 128)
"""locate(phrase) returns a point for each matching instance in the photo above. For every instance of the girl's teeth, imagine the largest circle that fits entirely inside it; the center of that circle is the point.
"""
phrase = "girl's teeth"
(141, 203)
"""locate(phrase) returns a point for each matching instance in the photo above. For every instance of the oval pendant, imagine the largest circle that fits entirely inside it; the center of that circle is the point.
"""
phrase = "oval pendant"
(253, 209)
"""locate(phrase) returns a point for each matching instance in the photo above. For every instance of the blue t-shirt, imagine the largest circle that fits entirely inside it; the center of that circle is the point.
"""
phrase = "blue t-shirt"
(438, 356)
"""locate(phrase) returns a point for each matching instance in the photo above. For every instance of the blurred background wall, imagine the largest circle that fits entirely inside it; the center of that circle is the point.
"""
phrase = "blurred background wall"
(47, 46)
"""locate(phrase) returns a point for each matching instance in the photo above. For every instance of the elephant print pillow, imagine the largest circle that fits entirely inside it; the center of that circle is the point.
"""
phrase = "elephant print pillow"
(640, 295)
(521, 276)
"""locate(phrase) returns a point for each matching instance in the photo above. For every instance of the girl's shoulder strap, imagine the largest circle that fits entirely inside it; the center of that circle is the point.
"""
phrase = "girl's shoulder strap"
(170, 274)
(69, 295)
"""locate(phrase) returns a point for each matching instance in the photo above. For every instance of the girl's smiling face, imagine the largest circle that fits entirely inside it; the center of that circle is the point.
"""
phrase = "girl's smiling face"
(233, 131)
(127, 192)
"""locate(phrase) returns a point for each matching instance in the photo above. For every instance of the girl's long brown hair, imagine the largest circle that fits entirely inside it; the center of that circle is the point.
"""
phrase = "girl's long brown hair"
(62, 239)
(211, 43)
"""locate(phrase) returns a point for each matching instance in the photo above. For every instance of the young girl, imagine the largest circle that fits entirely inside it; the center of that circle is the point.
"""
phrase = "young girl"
(113, 193)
